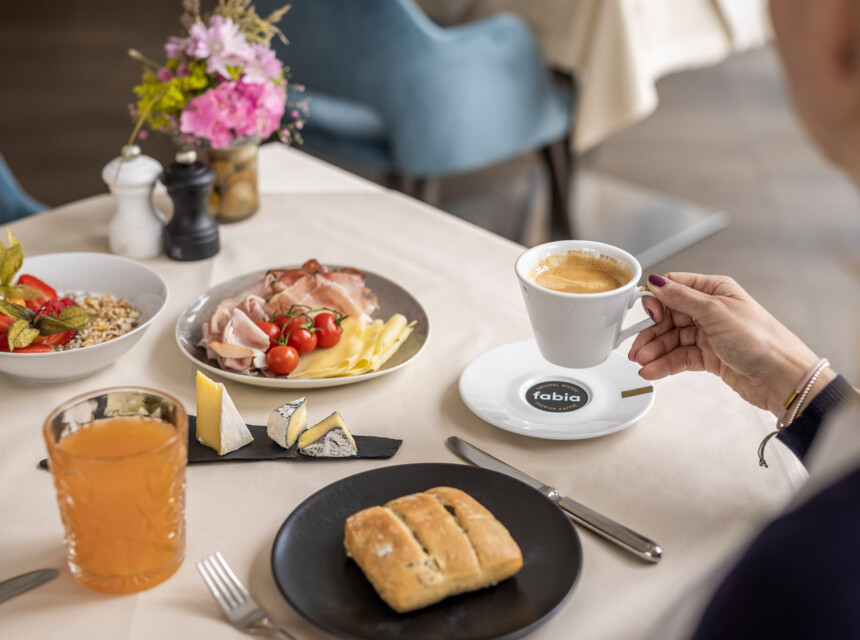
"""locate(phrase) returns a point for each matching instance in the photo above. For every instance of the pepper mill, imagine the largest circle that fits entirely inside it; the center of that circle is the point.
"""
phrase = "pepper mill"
(191, 234)
(136, 228)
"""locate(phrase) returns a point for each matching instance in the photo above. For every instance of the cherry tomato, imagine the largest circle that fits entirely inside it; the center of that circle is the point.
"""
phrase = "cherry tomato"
(299, 322)
(328, 330)
(272, 330)
(293, 313)
(302, 340)
(282, 359)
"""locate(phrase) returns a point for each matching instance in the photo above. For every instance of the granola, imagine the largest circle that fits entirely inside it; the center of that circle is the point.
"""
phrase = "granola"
(116, 317)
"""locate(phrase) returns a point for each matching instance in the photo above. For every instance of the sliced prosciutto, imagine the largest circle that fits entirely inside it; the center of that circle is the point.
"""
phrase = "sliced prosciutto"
(315, 286)
(232, 338)
(254, 306)
(249, 343)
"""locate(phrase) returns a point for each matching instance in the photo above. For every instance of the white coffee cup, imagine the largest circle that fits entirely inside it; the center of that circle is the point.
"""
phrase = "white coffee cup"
(579, 330)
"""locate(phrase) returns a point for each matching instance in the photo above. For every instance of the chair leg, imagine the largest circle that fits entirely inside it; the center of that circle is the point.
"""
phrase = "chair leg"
(560, 166)
(394, 181)
(428, 189)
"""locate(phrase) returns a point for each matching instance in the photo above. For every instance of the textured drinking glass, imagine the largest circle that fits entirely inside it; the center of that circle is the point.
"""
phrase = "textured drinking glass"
(118, 460)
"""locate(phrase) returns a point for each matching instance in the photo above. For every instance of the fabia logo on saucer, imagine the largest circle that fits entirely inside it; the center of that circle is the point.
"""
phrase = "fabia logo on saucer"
(556, 396)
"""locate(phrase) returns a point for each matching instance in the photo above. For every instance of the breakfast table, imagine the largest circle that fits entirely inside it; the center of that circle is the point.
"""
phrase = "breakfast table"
(685, 475)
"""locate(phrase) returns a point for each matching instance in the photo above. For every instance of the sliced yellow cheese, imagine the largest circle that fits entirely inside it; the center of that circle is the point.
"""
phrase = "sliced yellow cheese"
(329, 438)
(365, 358)
(364, 346)
(326, 363)
(393, 335)
(219, 424)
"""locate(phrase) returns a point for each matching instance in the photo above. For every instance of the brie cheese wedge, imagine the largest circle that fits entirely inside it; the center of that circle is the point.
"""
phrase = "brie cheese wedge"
(328, 439)
(219, 424)
(287, 422)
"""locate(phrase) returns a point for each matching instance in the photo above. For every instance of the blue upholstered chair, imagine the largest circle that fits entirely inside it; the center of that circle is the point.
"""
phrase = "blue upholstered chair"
(392, 91)
(14, 202)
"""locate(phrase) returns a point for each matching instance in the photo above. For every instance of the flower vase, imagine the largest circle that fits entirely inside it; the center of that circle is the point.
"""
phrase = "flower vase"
(235, 195)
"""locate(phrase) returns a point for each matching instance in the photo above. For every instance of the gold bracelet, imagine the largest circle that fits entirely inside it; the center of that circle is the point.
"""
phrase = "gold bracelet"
(801, 391)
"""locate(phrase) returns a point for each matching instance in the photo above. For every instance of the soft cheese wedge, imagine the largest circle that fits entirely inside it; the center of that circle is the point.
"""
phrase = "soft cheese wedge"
(287, 422)
(219, 424)
(328, 439)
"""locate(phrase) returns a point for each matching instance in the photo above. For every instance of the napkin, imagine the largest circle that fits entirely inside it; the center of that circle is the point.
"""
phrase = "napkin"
(264, 448)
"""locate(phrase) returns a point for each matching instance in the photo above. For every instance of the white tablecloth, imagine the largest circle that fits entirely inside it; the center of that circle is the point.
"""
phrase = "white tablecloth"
(685, 475)
(619, 48)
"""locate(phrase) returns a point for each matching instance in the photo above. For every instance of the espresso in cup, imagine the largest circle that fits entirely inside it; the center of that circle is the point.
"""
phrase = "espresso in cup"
(577, 294)
(579, 272)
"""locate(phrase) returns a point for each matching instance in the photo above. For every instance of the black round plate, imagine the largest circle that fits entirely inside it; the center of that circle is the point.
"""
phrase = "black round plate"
(314, 574)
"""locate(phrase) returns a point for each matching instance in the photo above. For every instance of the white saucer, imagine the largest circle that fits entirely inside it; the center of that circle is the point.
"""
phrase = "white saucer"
(562, 404)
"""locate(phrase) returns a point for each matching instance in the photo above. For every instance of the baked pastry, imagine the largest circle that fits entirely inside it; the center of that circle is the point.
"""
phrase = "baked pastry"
(422, 548)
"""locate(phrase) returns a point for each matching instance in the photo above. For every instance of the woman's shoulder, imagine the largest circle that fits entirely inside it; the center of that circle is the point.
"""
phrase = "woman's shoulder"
(800, 577)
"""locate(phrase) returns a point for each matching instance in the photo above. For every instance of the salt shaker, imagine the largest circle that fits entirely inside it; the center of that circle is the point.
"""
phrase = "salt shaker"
(192, 233)
(135, 230)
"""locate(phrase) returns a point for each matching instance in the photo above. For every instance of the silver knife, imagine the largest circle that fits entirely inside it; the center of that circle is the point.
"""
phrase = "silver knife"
(631, 541)
(19, 584)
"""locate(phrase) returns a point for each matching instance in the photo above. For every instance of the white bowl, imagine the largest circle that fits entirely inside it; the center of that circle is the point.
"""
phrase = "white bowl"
(98, 273)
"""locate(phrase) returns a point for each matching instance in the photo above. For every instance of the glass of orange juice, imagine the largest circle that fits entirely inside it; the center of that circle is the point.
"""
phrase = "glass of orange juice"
(118, 460)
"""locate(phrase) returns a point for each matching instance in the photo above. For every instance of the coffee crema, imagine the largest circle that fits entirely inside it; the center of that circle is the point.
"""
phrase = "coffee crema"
(578, 272)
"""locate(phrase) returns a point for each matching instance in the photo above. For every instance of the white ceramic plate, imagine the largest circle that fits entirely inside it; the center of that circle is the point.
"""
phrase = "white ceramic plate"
(512, 387)
(99, 273)
(392, 299)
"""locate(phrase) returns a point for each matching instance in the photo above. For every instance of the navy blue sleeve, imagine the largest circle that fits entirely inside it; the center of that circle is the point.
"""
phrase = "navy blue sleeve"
(798, 436)
(799, 579)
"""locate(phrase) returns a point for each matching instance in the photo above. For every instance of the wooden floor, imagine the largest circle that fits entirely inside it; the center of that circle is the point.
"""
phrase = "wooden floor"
(724, 137)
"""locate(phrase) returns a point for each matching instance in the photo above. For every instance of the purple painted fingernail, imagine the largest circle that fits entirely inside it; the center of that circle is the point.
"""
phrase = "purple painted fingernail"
(650, 314)
(657, 281)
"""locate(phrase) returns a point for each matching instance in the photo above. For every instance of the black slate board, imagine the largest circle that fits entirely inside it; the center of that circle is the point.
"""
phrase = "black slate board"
(264, 448)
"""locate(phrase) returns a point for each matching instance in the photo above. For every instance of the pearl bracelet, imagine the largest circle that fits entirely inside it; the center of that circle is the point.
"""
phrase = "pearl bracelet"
(801, 391)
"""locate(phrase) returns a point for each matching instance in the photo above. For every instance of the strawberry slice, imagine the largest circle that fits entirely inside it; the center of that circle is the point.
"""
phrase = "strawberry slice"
(54, 339)
(53, 308)
(30, 348)
(5, 323)
(33, 281)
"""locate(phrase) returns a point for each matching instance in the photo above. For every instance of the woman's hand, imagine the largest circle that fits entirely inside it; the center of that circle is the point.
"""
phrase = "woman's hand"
(714, 325)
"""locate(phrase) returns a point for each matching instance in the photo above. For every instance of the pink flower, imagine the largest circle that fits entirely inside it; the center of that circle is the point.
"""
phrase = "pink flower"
(165, 75)
(263, 65)
(222, 45)
(182, 70)
(233, 110)
(175, 47)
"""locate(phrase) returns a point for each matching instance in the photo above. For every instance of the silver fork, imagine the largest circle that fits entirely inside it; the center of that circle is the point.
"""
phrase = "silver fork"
(238, 606)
